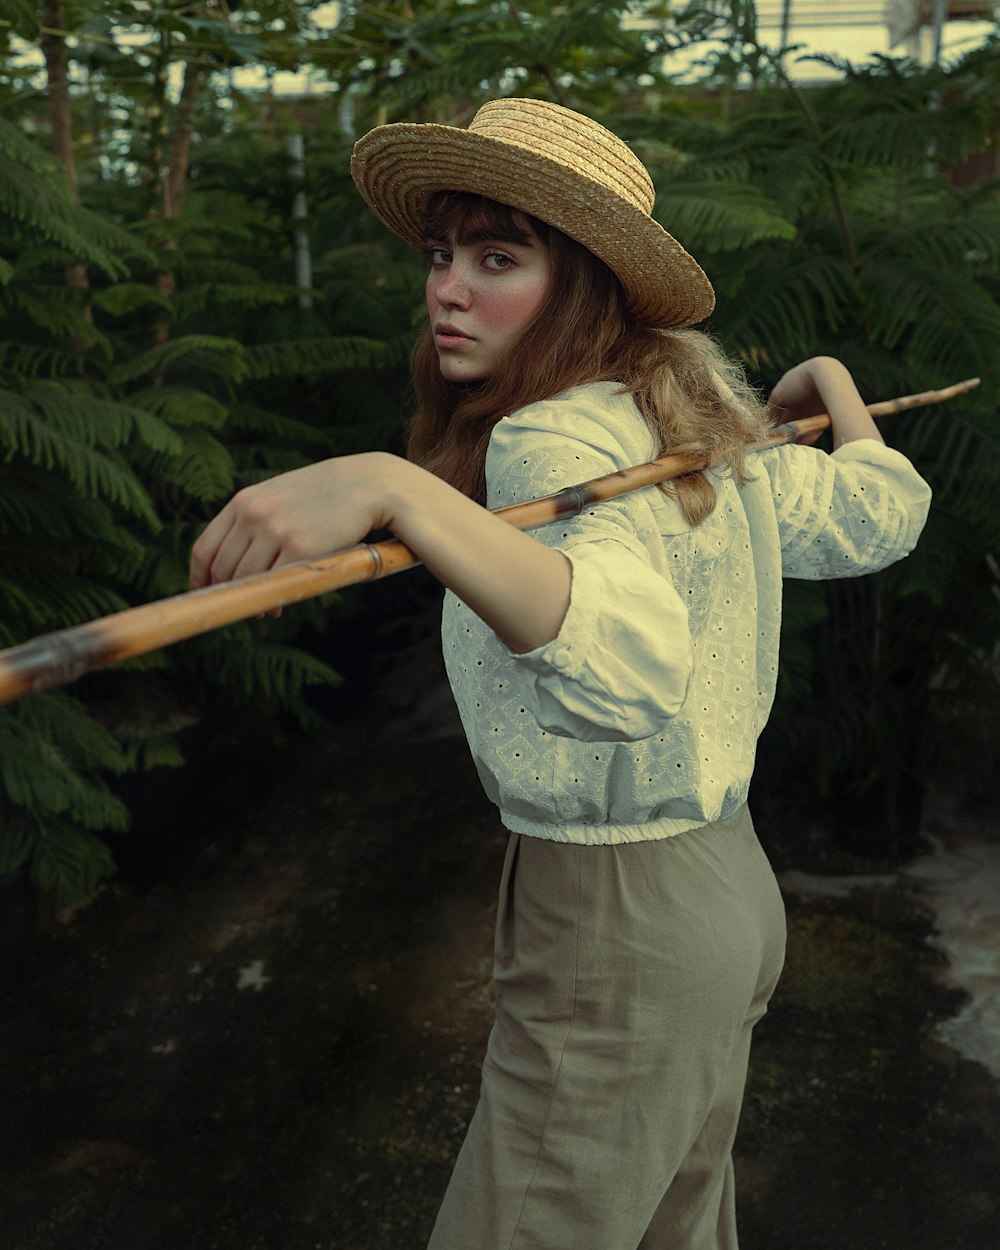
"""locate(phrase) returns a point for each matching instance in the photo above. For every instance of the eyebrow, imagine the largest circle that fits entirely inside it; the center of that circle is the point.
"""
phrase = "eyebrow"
(483, 236)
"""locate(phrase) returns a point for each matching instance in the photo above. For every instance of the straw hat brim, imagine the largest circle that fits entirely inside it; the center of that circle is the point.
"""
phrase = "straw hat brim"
(397, 168)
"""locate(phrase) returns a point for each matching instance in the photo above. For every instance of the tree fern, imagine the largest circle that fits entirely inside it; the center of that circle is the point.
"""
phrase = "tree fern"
(45, 428)
(205, 353)
(719, 215)
(56, 311)
(29, 195)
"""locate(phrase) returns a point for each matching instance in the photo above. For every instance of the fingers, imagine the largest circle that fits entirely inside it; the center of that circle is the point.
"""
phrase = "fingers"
(204, 550)
(231, 548)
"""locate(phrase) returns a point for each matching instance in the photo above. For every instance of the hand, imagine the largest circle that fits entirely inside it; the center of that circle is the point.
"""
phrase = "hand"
(797, 394)
(295, 516)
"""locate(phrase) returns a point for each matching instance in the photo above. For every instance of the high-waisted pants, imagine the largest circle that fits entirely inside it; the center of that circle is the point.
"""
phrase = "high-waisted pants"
(628, 979)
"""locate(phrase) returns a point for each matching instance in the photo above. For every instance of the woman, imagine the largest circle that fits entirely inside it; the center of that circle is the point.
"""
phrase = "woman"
(613, 673)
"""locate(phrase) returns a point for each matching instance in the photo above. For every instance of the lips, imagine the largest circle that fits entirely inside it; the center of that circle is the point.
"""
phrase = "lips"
(447, 335)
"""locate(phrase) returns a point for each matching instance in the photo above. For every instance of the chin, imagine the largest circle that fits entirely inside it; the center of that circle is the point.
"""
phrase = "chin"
(456, 371)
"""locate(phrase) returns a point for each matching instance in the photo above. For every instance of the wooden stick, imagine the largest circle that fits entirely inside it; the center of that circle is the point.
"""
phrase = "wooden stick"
(60, 657)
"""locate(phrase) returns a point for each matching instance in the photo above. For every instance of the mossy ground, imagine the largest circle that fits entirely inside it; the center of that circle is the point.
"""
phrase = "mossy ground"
(275, 1045)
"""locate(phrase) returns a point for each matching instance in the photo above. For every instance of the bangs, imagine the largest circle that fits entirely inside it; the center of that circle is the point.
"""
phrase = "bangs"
(466, 218)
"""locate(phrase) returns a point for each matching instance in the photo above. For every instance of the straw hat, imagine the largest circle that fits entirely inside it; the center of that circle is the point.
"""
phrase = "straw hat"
(555, 164)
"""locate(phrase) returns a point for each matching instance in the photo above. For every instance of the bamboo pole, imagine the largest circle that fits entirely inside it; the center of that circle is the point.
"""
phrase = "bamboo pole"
(57, 658)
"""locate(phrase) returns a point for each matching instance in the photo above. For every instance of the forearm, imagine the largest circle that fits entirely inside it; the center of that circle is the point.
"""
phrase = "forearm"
(518, 586)
(849, 417)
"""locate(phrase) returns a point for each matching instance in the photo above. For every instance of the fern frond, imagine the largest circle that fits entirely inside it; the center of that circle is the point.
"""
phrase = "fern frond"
(28, 360)
(61, 719)
(181, 406)
(276, 669)
(30, 194)
(124, 298)
(320, 356)
(720, 216)
(49, 428)
(36, 774)
(271, 429)
(224, 295)
(947, 319)
(785, 297)
(43, 506)
(42, 600)
(67, 860)
(221, 357)
(156, 751)
(54, 310)
(203, 469)
(899, 137)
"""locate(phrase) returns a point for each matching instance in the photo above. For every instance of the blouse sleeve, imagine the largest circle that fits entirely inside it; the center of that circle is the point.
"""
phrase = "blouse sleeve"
(841, 515)
(621, 662)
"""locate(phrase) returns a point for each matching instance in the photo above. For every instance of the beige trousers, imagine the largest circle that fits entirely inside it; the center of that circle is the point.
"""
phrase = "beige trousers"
(628, 979)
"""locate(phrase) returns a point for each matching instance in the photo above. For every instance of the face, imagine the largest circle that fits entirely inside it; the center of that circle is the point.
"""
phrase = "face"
(480, 295)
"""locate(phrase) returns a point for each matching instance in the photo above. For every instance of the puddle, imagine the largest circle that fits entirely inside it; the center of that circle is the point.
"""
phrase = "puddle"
(960, 881)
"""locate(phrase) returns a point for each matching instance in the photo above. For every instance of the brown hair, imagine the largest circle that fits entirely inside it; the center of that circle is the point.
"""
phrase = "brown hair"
(691, 396)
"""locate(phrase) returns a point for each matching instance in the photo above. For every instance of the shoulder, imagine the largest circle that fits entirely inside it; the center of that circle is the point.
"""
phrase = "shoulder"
(595, 423)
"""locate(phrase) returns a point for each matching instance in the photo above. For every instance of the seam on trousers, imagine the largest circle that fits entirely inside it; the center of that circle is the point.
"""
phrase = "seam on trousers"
(562, 1055)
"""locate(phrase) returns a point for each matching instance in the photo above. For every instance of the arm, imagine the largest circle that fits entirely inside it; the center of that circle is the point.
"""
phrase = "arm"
(518, 586)
(823, 384)
(856, 511)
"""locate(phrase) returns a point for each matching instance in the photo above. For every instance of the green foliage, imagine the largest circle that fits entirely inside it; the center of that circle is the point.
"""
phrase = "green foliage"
(891, 265)
(132, 406)
(181, 361)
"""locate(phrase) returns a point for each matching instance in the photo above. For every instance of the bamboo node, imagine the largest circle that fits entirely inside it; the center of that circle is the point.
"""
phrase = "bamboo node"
(377, 563)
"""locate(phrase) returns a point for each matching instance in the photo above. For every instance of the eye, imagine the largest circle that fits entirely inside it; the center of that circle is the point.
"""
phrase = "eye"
(438, 256)
(498, 260)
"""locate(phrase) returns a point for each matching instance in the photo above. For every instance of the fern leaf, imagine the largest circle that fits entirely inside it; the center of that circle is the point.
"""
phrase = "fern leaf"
(203, 469)
(37, 776)
(68, 861)
(29, 360)
(720, 216)
(948, 320)
(276, 669)
(124, 298)
(53, 438)
(783, 299)
(220, 357)
(40, 601)
(29, 193)
(943, 242)
(181, 406)
(316, 357)
(270, 429)
(255, 294)
(55, 311)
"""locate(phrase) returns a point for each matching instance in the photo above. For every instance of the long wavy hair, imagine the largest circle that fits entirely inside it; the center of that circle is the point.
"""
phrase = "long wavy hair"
(692, 397)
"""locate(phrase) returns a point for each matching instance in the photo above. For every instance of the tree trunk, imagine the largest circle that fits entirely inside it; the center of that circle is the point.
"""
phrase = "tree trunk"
(54, 51)
(175, 179)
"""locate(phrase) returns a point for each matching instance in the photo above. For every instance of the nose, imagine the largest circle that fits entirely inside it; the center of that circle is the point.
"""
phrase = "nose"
(452, 288)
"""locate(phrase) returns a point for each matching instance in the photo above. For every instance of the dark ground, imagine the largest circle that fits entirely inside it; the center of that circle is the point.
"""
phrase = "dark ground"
(275, 1044)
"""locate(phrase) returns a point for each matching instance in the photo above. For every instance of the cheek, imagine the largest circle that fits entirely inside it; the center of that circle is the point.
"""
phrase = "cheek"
(512, 310)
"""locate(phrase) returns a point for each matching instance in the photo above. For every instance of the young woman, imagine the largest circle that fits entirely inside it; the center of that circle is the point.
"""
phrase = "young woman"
(613, 673)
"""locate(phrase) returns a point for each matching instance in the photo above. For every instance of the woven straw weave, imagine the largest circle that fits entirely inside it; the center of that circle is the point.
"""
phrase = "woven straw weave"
(557, 165)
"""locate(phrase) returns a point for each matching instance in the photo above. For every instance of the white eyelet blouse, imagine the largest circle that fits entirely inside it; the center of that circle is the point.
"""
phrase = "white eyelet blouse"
(640, 720)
